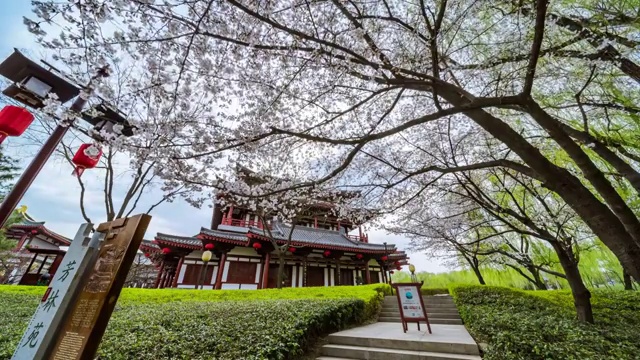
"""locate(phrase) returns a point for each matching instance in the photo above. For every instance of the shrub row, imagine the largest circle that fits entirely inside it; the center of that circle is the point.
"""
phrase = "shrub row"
(541, 325)
(192, 324)
(434, 291)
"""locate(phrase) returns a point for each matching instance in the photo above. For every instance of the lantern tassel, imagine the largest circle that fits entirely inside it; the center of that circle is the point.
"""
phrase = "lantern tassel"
(78, 171)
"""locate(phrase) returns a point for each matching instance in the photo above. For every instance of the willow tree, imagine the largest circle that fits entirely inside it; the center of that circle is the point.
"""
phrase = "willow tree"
(357, 86)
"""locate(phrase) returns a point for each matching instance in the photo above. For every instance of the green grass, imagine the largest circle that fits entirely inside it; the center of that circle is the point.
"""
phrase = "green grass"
(537, 325)
(200, 324)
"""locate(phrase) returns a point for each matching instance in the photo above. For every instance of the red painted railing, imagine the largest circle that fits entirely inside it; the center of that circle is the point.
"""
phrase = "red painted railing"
(364, 238)
(241, 223)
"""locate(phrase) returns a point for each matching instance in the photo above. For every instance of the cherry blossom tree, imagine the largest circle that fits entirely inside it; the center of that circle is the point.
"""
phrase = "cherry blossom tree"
(358, 88)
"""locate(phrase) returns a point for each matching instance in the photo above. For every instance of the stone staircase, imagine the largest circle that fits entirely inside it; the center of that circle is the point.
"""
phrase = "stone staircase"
(440, 310)
(387, 341)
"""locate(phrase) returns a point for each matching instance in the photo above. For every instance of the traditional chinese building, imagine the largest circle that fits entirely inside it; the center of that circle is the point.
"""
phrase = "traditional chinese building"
(321, 253)
(37, 254)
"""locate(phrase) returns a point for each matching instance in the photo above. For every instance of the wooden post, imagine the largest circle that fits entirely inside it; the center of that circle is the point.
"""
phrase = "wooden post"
(304, 271)
(23, 238)
(221, 263)
(315, 221)
(44, 261)
(160, 272)
(367, 273)
(175, 279)
(337, 281)
(265, 271)
(33, 259)
(55, 264)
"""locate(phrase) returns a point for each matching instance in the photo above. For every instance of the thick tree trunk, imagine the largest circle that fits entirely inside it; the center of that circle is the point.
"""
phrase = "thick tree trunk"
(600, 219)
(581, 295)
(280, 268)
(628, 282)
(589, 169)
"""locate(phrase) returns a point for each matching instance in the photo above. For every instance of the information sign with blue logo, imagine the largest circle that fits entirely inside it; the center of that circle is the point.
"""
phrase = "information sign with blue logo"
(411, 304)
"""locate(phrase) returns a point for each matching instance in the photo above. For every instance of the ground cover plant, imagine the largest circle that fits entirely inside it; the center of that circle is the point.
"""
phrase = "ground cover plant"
(192, 324)
(536, 325)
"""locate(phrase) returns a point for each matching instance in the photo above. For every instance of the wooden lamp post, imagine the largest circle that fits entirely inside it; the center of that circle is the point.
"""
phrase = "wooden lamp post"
(32, 83)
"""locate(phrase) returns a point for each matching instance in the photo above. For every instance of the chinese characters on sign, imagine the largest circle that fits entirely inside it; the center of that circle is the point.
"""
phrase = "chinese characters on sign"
(32, 340)
(42, 327)
(70, 266)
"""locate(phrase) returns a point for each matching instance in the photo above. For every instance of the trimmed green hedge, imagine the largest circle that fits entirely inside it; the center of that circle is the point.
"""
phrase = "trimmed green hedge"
(541, 325)
(434, 291)
(201, 324)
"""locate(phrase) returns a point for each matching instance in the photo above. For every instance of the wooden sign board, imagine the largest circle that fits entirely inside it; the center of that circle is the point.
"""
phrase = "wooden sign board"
(411, 304)
(82, 330)
(59, 296)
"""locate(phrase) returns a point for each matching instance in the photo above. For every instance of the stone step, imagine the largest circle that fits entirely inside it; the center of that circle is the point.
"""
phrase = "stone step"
(332, 358)
(429, 310)
(426, 299)
(448, 339)
(427, 305)
(431, 320)
(375, 353)
(439, 315)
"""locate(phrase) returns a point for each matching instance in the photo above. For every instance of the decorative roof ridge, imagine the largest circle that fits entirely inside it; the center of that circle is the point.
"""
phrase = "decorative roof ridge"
(204, 229)
(159, 234)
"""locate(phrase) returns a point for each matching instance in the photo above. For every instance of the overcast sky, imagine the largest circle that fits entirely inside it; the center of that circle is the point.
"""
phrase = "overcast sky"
(53, 197)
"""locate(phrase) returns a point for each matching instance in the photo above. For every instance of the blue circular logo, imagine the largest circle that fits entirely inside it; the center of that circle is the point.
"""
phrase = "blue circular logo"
(409, 295)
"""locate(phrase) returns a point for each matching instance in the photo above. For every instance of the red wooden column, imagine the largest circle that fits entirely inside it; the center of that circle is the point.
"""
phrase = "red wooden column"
(367, 273)
(177, 275)
(304, 271)
(315, 222)
(21, 242)
(223, 259)
(160, 273)
(55, 264)
(265, 271)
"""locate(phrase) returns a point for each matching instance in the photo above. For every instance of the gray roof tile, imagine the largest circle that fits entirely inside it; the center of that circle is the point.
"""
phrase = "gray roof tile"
(322, 237)
(225, 234)
(190, 241)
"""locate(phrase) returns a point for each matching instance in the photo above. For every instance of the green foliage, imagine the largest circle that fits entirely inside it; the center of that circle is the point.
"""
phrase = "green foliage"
(199, 324)
(541, 324)
(434, 291)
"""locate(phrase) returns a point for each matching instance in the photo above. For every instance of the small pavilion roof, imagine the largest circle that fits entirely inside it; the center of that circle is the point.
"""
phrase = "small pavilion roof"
(28, 224)
(181, 241)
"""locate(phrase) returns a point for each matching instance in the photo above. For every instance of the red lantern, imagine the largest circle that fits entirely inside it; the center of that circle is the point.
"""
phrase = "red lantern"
(257, 246)
(14, 120)
(209, 246)
(359, 256)
(87, 157)
(399, 268)
(327, 253)
(384, 258)
(147, 254)
(292, 249)
(166, 251)
(34, 232)
(391, 272)
(397, 263)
